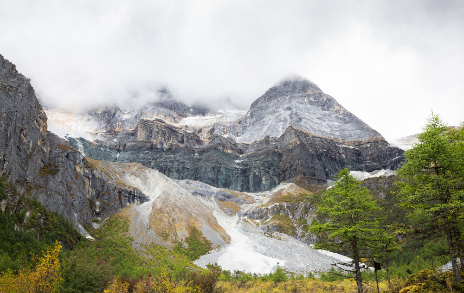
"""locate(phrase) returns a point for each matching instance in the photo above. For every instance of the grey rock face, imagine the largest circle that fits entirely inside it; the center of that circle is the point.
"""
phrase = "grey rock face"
(45, 166)
(259, 166)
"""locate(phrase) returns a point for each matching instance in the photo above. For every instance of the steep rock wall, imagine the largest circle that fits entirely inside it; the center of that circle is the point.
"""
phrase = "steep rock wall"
(45, 166)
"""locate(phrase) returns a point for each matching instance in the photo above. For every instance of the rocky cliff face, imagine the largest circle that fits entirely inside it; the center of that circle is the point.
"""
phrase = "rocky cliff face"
(294, 156)
(46, 167)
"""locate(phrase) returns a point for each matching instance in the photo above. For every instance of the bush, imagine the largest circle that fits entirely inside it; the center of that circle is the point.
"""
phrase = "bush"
(81, 274)
(334, 275)
(427, 280)
(279, 276)
(45, 277)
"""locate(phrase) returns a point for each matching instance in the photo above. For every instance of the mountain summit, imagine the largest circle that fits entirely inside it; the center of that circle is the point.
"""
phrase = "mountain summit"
(294, 132)
(300, 103)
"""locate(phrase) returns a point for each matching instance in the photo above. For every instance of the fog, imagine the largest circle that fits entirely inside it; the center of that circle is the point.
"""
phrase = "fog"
(388, 62)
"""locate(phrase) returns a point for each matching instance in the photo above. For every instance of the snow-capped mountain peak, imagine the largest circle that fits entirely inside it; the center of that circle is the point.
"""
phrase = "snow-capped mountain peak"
(300, 103)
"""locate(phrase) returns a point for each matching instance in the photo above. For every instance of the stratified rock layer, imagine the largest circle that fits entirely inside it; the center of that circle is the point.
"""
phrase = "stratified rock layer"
(296, 155)
(294, 132)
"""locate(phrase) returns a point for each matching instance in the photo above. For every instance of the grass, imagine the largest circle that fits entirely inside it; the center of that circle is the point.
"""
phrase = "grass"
(283, 222)
(224, 205)
(299, 285)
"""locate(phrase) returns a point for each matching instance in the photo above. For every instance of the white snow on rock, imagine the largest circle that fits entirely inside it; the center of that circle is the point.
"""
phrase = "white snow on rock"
(361, 175)
(211, 119)
(84, 232)
(71, 124)
(448, 267)
(243, 253)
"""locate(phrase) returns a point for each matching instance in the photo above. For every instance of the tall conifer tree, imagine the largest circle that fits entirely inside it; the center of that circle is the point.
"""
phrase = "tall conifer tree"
(351, 224)
(432, 189)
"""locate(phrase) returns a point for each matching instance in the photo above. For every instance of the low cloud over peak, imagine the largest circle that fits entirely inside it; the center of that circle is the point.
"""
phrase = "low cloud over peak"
(373, 57)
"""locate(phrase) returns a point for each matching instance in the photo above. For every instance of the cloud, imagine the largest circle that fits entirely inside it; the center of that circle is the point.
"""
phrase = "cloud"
(388, 62)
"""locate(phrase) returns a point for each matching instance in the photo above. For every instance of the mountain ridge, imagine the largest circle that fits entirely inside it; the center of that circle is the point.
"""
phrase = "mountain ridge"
(292, 132)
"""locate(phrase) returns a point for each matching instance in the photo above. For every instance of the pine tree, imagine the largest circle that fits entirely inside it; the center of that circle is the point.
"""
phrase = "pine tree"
(432, 189)
(351, 222)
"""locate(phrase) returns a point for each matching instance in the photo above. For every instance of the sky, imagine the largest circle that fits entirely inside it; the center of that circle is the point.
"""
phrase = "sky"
(388, 62)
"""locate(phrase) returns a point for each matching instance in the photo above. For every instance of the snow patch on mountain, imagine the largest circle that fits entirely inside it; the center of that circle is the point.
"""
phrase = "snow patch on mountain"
(211, 119)
(70, 124)
(361, 175)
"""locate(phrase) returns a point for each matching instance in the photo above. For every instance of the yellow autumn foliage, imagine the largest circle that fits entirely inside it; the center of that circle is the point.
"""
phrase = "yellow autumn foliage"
(45, 277)
(118, 286)
(307, 285)
(159, 283)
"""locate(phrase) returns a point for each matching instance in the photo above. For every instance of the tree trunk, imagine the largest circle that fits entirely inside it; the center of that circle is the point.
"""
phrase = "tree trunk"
(454, 263)
(388, 276)
(376, 279)
(356, 265)
(458, 242)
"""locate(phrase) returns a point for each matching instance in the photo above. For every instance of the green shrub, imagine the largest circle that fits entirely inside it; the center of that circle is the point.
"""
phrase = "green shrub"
(279, 276)
(334, 275)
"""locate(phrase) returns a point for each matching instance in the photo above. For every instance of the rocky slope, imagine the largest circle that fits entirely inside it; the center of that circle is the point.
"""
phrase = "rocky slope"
(259, 246)
(46, 167)
(293, 133)
(170, 212)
